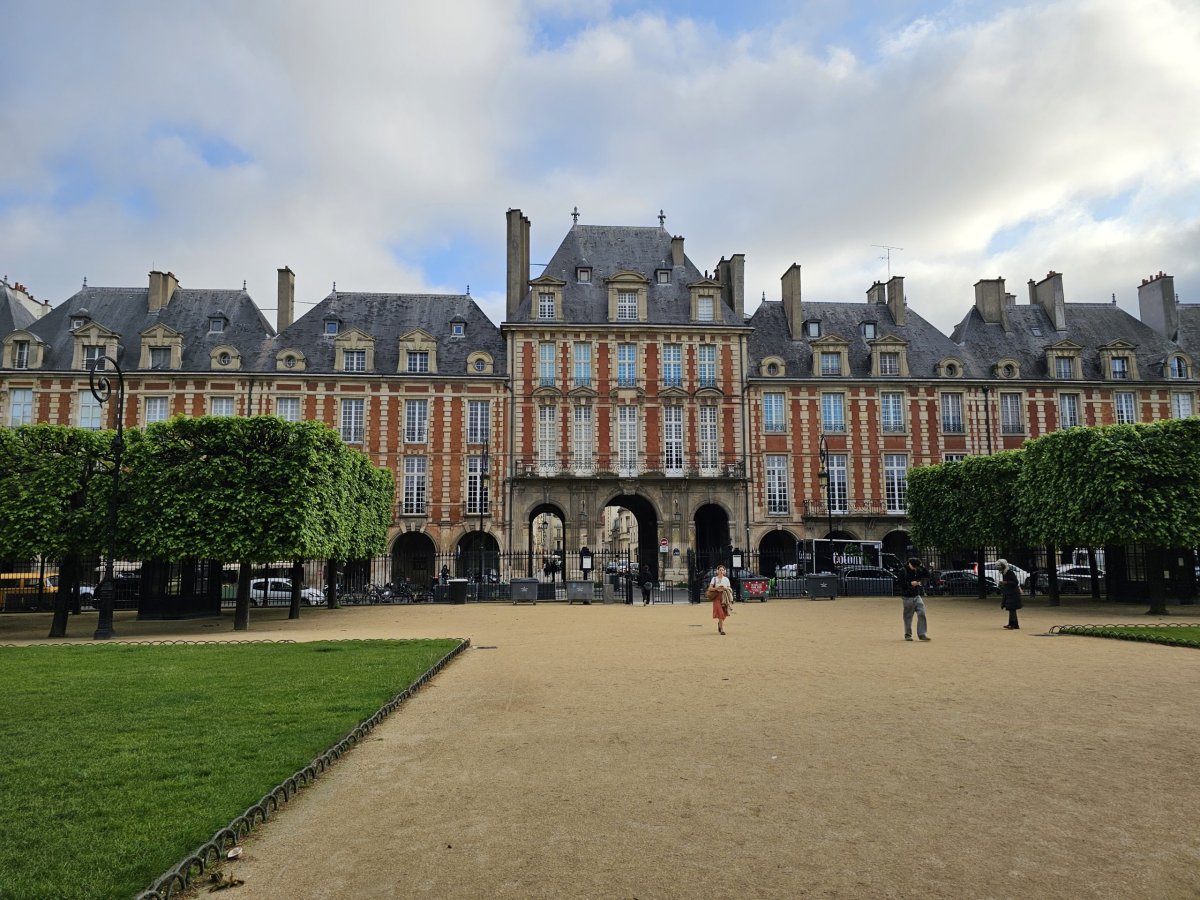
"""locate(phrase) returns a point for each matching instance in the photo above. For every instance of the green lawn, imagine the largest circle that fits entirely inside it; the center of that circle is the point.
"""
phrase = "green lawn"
(121, 760)
(1159, 634)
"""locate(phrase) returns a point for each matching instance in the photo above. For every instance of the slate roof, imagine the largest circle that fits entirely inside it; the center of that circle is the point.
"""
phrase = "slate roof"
(1189, 330)
(609, 249)
(926, 345)
(125, 311)
(13, 314)
(387, 318)
(1090, 325)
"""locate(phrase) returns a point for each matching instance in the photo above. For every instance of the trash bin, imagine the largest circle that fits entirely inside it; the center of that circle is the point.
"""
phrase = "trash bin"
(580, 592)
(524, 590)
(755, 589)
(822, 584)
(458, 590)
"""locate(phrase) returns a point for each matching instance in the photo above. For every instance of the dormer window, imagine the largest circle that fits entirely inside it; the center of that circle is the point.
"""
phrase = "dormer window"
(627, 307)
(21, 354)
(831, 363)
(160, 357)
(704, 308)
(480, 365)
(78, 323)
(868, 330)
(224, 359)
(92, 357)
(289, 361)
(1064, 368)
(354, 360)
(546, 306)
(1120, 368)
(458, 329)
(331, 326)
(889, 363)
(1177, 368)
(216, 325)
(583, 275)
(662, 276)
(812, 328)
(418, 362)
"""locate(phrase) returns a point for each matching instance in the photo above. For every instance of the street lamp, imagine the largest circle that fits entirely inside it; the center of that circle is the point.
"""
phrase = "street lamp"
(827, 483)
(484, 501)
(101, 388)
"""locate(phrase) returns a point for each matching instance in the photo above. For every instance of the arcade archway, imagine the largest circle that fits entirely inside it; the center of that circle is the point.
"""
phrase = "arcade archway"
(477, 557)
(545, 531)
(644, 535)
(413, 556)
(713, 539)
(776, 549)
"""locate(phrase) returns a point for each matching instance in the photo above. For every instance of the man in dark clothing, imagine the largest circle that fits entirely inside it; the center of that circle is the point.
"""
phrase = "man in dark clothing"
(912, 581)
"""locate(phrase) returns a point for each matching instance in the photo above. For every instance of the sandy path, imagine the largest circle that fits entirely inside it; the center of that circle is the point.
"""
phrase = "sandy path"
(613, 751)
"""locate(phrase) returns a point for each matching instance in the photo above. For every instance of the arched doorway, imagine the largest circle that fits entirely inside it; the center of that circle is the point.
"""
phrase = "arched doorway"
(899, 543)
(413, 556)
(477, 557)
(642, 538)
(546, 528)
(713, 540)
(776, 549)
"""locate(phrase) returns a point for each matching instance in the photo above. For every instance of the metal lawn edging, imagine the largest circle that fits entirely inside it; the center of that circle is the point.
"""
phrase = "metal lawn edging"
(1110, 631)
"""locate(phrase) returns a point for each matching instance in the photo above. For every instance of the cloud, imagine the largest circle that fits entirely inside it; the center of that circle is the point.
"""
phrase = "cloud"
(225, 140)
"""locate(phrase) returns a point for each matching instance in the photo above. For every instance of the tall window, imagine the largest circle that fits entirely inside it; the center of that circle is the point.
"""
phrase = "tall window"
(627, 306)
(222, 406)
(546, 363)
(777, 486)
(1181, 405)
(584, 441)
(352, 420)
(673, 440)
(891, 411)
(889, 363)
(547, 440)
(709, 446)
(1064, 368)
(91, 356)
(952, 413)
(833, 412)
(1178, 368)
(89, 411)
(839, 499)
(627, 440)
(156, 409)
(418, 361)
(1120, 368)
(478, 499)
(626, 365)
(672, 365)
(479, 415)
(773, 420)
(354, 360)
(1011, 421)
(895, 481)
(545, 306)
(1126, 410)
(831, 363)
(416, 421)
(1068, 410)
(20, 354)
(414, 486)
(160, 357)
(288, 408)
(704, 308)
(20, 409)
(583, 364)
(706, 365)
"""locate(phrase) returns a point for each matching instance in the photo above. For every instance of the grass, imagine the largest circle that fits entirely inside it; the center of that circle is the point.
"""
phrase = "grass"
(1156, 634)
(121, 760)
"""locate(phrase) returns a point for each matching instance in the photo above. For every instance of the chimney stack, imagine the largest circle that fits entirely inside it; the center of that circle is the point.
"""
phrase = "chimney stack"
(991, 301)
(1049, 296)
(162, 288)
(518, 261)
(792, 309)
(286, 307)
(677, 250)
(1157, 306)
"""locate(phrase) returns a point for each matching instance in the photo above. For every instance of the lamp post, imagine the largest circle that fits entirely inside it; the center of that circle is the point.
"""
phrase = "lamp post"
(101, 388)
(827, 482)
(484, 501)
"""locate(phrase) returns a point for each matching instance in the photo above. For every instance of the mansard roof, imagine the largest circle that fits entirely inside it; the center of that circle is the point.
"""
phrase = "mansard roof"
(1089, 325)
(387, 318)
(609, 250)
(13, 314)
(125, 311)
(1188, 337)
(926, 345)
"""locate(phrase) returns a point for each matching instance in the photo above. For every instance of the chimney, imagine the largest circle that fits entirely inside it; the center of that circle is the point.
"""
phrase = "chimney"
(1157, 306)
(677, 250)
(876, 294)
(286, 307)
(991, 301)
(735, 276)
(162, 288)
(792, 309)
(895, 298)
(1049, 296)
(518, 261)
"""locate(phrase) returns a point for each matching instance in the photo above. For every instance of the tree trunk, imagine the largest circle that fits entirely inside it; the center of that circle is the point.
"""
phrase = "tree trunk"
(68, 595)
(979, 571)
(1094, 573)
(1052, 575)
(1156, 563)
(331, 573)
(241, 614)
(297, 574)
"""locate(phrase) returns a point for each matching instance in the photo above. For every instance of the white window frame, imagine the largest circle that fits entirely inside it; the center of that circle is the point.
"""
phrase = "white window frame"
(547, 440)
(1177, 369)
(158, 409)
(775, 466)
(672, 365)
(288, 408)
(1012, 419)
(1119, 368)
(478, 493)
(1070, 414)
(221, 406)
(891, 412)
(90, 411)
(1064, 368)
(952, 413)
(163, 357)
(1182, 405)
(895, 481)
(92, 354)
(839, 483)
(626, 365)
(889, 362)
(673, 440)
(416, 471)
(546, 307)
(627, 306)
(416, 421)
(831, 362)
(416, 362)
(354, 360)
(581, 353)
(704, 308)
(706, 365)
(20, 354)
(627, 440)
(479, 421)
(710, 449)
(583, 437)
(353, 418)
(1125, 404)
(833, 412)
(20, 406)
(547, 353)
(774, 413)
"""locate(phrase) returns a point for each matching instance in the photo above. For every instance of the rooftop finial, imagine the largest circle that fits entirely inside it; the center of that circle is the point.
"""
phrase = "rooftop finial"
(662, 219)
(335, 287)
(468, 290)
(243, 284)
(575, 216)
(85, 281)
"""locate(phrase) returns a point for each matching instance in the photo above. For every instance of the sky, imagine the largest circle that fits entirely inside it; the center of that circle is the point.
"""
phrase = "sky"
(377, 145)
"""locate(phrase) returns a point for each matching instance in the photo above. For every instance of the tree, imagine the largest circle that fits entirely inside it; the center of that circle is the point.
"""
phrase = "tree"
(53, 496)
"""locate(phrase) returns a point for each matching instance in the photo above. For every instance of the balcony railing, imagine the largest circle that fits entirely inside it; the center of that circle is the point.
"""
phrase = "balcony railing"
(850, 506)
(663, 465)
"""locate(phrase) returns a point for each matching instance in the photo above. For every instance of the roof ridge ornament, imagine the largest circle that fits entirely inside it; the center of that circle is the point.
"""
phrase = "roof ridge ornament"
(575, 216)
(662, 219)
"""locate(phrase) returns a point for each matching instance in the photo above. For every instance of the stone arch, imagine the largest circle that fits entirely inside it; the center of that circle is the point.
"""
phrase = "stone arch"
(646, 515)
(776, 548)
(413, 557)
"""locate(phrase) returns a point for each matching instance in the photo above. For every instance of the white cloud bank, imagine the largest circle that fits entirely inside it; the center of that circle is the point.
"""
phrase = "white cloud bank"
(379, 144)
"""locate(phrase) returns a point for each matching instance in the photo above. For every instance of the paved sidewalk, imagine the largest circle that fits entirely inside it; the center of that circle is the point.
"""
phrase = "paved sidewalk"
(631, 752)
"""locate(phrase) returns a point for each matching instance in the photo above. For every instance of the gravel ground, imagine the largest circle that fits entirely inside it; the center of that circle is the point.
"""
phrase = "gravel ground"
(632, 752)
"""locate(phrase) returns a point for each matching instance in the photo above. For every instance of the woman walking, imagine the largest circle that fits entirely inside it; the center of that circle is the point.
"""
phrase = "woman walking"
(721, 595)
(1010, 593)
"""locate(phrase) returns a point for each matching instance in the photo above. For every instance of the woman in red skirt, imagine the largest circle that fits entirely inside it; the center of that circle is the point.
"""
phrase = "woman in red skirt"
(722, 597)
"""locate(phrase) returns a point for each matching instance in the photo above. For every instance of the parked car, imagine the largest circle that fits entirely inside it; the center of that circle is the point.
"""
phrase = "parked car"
(1080, 572)
(961, 582)
(993, 573)
(279, 590)
(616, 568)
(1039, 582)
(871, 581)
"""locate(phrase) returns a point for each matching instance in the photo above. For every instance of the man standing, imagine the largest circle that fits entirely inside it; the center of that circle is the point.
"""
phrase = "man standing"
(912, 580)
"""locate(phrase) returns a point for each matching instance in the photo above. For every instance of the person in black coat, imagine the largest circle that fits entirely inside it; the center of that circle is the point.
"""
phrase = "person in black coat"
(647, 583)
(1010, 593)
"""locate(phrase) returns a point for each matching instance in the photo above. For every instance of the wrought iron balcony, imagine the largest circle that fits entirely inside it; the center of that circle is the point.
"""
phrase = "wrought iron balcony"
(849, 506)
(616, 465)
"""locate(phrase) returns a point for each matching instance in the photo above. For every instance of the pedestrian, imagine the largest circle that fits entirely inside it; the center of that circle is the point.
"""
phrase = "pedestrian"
(721, 595)
(912, 586)
(445, 576)
(1010, 593)
(647, 581)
